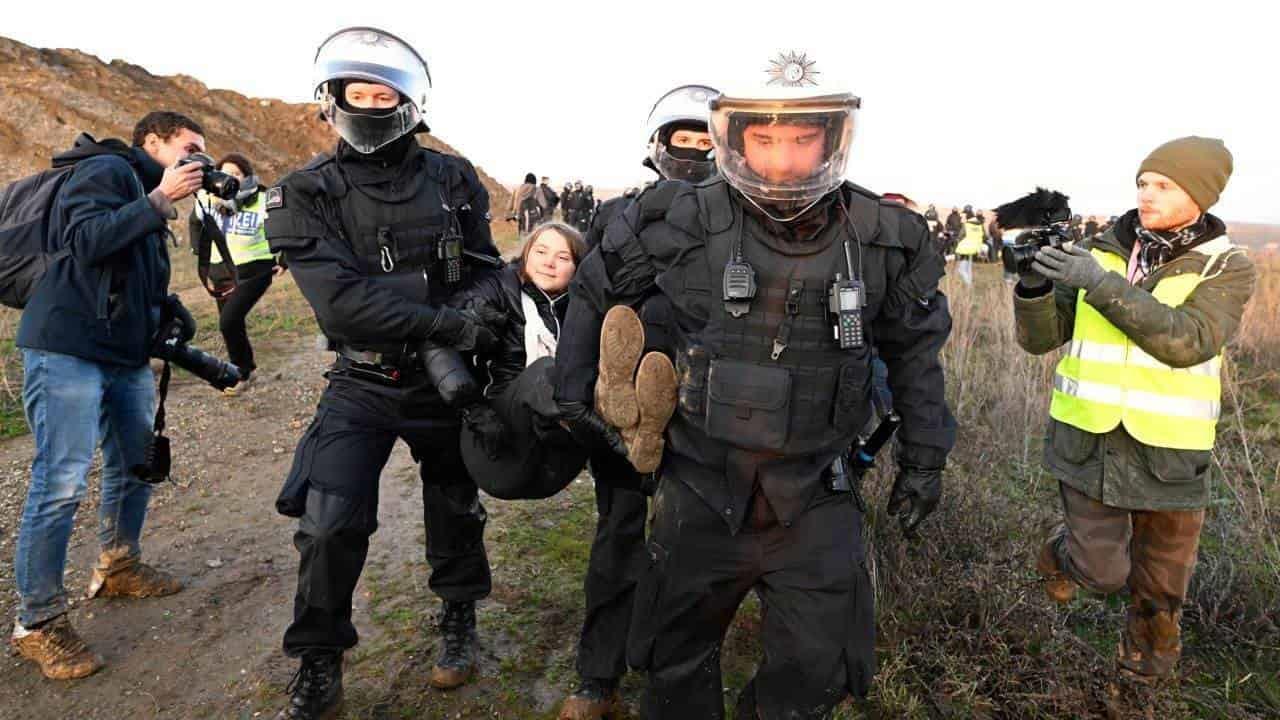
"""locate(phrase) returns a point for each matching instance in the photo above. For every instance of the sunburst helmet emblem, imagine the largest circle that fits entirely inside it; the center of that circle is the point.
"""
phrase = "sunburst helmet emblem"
(792, 69)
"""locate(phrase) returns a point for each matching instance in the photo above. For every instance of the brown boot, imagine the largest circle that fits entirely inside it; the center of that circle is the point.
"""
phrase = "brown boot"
(593, 700)
(656, 387)
(457, 661)
(57, 649)
(1150, 644)
(1060, 588)
(119, 574)
(621, 343)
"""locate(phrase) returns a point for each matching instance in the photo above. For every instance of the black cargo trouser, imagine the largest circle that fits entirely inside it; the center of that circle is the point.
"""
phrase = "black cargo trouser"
(233, 311)
(617, 560)
(341, 457)
(817, 614)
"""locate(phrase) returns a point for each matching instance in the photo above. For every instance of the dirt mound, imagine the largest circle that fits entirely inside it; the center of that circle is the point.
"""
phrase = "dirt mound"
(48, 96)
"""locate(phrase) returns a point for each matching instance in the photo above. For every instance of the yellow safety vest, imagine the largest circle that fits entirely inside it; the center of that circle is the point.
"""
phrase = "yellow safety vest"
(246, 233)
(1105, 379)
(971, 244)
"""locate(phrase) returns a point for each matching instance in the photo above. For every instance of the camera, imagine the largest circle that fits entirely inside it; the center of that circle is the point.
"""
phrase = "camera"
(177, 327)
(1044, 217)
(213, 181)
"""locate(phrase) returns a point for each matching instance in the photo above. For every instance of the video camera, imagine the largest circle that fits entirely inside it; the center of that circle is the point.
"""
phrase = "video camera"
(177, 327)
(213, 181)
(1044, 217)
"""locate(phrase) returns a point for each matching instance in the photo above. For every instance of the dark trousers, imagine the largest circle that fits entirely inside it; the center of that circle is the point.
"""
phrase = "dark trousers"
(817, 619)
(255, 278)
(617, 560)
(341, 457)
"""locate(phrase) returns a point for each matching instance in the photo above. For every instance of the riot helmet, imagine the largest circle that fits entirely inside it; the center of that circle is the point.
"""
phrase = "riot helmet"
(783, 141)
(365, 54)
(682, 109)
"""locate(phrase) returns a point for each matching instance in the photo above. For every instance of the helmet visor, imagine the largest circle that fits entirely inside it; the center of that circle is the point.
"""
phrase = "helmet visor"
(366, 132)
(788, 152)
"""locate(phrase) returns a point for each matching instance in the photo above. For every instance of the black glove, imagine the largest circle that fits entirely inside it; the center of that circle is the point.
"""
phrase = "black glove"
(490, 433)
(450, 374)
(462, 330)
(915, 494)
(590, 429)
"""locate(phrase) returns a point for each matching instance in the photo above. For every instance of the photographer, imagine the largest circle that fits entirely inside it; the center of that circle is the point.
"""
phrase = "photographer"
(241, 221)
(86, 337)
(1147, 308)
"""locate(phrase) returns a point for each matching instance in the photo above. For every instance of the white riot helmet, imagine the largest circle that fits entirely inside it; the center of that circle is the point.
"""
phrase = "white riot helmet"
(787, 98)
(366, 54)
(684, 108)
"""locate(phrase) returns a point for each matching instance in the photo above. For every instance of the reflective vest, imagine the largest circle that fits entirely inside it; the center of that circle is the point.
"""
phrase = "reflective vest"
(1105, 379)
(245, 232)
(973, 239)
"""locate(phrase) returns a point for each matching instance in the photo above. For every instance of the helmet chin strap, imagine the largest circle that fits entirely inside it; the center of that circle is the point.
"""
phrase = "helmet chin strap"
(775, 218)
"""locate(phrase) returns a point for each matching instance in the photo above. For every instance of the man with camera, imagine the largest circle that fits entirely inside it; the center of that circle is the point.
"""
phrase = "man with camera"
(376, 235)
(780, 277)
(1147, 307)
(86, 335)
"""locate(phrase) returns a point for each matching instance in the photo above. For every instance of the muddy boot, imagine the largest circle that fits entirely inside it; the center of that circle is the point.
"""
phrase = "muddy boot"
(621, 343)
(656, 388)
(57, 649)
(118, 574)
(458, 658)
(1057, 585)
(316, 689)
(594, 699)
(1150, 644)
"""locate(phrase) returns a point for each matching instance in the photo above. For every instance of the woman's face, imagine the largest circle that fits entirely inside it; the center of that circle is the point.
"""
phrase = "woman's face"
(233, 170)
(549, 264)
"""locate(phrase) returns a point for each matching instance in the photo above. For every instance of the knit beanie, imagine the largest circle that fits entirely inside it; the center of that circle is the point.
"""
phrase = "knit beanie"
(1199, 165)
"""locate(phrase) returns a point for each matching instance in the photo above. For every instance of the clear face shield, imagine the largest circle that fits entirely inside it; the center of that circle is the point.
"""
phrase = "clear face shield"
(368, 130)
(691, 162)
(784, 153)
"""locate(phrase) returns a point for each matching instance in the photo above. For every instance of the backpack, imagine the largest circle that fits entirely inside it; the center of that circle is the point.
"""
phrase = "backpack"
(25, 209)
(530, 207)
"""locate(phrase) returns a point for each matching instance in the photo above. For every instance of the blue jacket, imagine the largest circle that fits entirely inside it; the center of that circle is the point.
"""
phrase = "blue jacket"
(102, 301)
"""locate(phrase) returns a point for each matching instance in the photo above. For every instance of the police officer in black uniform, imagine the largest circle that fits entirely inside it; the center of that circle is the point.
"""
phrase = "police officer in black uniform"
(780, 277)
(678, 147)
(375, 235)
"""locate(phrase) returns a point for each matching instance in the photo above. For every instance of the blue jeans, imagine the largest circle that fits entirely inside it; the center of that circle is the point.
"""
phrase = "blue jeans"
(72, 405)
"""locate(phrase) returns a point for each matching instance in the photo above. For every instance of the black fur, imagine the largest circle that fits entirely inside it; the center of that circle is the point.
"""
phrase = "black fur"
(1039, 209)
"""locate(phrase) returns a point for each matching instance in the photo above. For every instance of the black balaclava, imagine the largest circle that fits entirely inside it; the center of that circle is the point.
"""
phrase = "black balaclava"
(390, 155)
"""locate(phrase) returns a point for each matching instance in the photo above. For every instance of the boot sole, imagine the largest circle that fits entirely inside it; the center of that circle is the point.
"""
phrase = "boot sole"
(656, 393)
(621, 344)
(442, 684)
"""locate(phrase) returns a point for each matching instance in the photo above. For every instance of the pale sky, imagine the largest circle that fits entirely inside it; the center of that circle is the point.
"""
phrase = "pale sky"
(972, 102)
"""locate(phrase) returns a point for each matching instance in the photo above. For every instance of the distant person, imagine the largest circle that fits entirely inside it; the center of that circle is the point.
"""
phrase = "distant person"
(525, 208)
(86, 336)
(241, 222)
(994, 239)
(547, 198)
(1090, 227)
(971, 244)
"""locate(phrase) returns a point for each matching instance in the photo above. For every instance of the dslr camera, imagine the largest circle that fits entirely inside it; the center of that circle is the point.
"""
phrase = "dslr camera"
(1044, 217)
(213, 181)
(177, 327)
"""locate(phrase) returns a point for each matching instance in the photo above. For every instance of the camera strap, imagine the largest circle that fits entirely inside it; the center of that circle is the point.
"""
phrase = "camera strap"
(165, 374)
(210, 235)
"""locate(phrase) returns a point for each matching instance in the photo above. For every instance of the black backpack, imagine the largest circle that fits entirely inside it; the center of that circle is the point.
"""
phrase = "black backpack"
(25, 207)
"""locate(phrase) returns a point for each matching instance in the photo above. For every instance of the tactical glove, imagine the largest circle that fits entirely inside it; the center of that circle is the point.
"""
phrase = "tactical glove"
(1075, 268)
(450, 374)
(915, 494)
(489, 432)
(590, 429)
(462, 330)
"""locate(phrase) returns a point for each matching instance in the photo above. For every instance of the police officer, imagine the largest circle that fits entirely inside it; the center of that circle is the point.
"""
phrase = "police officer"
(773, 388)
(678, 146)
(375, 234)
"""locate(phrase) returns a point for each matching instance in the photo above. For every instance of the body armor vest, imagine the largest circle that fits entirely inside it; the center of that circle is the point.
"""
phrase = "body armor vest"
(772, 380)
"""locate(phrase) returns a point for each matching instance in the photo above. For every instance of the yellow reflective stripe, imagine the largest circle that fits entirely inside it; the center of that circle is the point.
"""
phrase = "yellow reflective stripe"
(1097, 352)
(1210, 368)
(1165, 406)
(1097, 392)
(1153, 429)
(1088, 416)
(1149, 380)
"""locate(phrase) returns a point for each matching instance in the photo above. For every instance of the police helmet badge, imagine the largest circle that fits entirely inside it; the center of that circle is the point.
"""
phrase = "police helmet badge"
(792, 69)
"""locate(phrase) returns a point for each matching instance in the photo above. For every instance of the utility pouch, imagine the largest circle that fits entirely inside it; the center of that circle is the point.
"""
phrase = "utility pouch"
(851, 396)
(748, 405)
(692, 366)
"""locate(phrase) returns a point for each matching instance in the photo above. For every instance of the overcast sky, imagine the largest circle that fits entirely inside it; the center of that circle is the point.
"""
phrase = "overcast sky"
(972, 102)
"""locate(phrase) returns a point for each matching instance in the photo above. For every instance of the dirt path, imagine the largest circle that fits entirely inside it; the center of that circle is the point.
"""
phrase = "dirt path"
(214, 649)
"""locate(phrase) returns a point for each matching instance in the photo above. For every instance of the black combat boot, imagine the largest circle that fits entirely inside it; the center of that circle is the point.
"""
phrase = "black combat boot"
(594, 699)
(458, 657)
(316, 689)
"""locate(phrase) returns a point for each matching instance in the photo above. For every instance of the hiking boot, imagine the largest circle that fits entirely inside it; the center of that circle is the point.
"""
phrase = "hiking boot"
(1060, 588)
(594, 699)
(240, 388)
(457, 659)
(621, 343)
(119, 574)
(57, 648)
(1150, 644)
(656, 387)
(316, 689)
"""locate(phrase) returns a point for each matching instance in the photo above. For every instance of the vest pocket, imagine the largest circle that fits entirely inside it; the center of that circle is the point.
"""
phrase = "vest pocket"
(748, 405)
(851, 396)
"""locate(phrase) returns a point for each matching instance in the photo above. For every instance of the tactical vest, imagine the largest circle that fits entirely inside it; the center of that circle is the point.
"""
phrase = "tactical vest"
(1105, 379)
(246, 233)
(772, 380)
